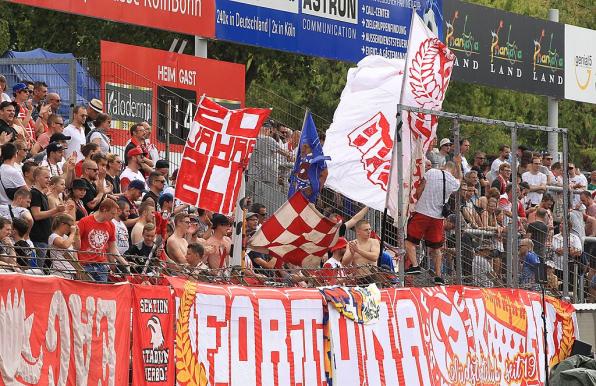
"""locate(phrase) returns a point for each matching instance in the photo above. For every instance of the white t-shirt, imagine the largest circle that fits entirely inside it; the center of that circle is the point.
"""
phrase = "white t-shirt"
(534, 179)
(10, 178)
(574, 242)
(495, 165)
(60, 266)
(431, 200)
(481, 272)
(104, 144)
(5, 97)
(122, 242)
(17, 211)
(77, 139)
(581, 179)
(131, 176)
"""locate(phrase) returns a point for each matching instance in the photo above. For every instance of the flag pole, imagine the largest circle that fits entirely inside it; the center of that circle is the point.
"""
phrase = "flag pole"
(397, 147)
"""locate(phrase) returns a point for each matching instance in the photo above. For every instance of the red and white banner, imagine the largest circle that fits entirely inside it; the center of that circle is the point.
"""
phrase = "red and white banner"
(191, 17)
(217, 151)
(228, 335)
(154, 317)
(297, 231)
(423, 336)
(429, 64)
(360, 139)
(56, 332)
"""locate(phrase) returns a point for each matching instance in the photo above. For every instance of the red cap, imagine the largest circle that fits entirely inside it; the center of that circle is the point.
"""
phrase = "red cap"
(134, 151)
(340, 244)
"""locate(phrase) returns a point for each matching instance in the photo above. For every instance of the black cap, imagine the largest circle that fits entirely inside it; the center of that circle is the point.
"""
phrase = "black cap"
(8, 103)
(219, 219)
(59, 137)
(162, 163)
(137, 184)
(79, 184)
(53, 147)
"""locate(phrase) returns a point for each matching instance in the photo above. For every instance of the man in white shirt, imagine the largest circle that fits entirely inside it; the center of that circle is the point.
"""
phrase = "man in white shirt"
(18, 209)
(536, 180)
(504, 152)
(133, 170)
(576, 181)
(55, 160)
(76, 132)
(575, 247)
(427, 221)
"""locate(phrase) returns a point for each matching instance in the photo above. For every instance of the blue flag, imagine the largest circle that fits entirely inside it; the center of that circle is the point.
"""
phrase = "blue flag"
(310, 169)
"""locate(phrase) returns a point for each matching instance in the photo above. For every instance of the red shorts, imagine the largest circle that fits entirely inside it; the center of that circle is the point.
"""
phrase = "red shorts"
(422, 227)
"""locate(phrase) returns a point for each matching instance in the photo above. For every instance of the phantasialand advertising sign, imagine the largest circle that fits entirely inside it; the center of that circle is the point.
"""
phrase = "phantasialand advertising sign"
(505, 50)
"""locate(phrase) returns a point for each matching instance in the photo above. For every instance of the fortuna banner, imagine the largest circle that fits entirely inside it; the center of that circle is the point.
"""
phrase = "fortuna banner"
(428, 70)
(217, 151)
(56, 332)
(360, 139)
(454, 335)
(153, 317)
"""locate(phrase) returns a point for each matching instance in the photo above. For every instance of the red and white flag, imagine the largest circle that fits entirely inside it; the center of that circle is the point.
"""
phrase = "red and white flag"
(296, 231)
(429, 64)
(217, 151)
(360, 139)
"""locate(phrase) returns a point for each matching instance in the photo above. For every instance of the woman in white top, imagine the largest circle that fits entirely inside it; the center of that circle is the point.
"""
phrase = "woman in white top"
(146, 215)
(99, 135)
(64, 233)
(5, 97)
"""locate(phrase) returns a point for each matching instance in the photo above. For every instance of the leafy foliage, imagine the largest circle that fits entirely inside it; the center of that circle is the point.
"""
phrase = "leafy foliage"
(300, 81)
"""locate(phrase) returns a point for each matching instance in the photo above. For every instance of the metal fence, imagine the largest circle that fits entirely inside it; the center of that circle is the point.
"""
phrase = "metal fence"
(170, 115)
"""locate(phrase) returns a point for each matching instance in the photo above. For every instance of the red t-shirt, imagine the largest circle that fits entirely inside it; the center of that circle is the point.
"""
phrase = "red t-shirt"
(79, 169)
(95, 239)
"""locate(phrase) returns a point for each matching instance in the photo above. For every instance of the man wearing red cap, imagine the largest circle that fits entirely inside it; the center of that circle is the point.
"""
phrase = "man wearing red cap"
(133, 169)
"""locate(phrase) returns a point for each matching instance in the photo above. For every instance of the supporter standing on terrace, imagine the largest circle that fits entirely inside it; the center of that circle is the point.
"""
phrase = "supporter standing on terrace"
(7, 115)
(156, 184)
(99, 135)
(365, 249)
(55, 126)
(536, 180)
(122, 236)
(4, 97)
(133, 169)
(592, 184)
(40, 92)
(97, 241)
(151, 148)
(94, 108)
(41, 212)
(176, 246)
(11, 178)
(137, 140)
(23, 118)
(76, 131)
(134, 192)
(426, 222)
(63, 236)
(113, 172)
(503, 178)
(219, 256)
(438, 157)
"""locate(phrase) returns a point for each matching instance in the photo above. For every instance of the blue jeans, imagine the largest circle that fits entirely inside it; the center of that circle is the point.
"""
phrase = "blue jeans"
(98, 271)
(41, 252)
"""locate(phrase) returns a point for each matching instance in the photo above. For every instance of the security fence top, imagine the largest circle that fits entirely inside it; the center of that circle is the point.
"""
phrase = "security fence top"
(486, 121)
(19, 61)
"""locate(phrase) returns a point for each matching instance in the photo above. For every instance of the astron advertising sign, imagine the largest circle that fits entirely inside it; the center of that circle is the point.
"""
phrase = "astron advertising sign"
(192, 17)
(580, 64)
(505, 50)
(136, 90)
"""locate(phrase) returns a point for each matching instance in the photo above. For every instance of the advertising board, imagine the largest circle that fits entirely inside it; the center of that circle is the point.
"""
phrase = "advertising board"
(505, 50)
(580, 64)
(141, 83)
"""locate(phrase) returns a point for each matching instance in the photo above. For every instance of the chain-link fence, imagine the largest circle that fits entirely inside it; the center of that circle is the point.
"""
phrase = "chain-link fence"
(481, 248)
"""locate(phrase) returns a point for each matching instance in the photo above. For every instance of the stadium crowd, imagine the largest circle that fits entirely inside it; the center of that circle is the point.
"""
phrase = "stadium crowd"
(70, 204)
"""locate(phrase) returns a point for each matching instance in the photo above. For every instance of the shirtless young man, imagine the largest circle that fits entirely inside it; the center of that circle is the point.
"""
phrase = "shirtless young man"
(177, 244)
(364, 250)
(219, 256)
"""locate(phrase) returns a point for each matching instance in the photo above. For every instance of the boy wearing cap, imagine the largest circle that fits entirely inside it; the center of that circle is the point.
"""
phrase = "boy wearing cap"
(333, 268)
(218, 257)
(438, 157)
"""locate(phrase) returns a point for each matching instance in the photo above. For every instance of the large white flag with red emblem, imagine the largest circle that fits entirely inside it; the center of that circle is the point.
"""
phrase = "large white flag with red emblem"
(360, 139)
(217, 151)
(428, 70)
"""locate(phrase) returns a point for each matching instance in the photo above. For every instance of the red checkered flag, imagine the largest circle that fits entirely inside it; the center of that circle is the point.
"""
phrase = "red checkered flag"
(296, 231)
(217, 151)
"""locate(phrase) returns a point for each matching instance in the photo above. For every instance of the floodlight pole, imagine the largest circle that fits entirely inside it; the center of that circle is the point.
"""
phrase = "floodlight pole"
(565, 231)
(553, 107)
(514, 214)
